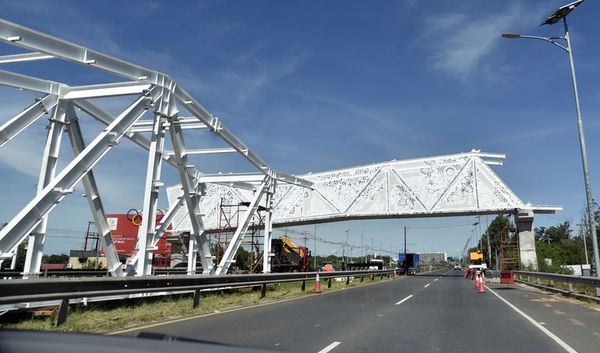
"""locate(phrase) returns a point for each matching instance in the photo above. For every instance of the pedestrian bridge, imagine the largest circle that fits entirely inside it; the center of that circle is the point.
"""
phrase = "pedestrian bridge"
(450, 185)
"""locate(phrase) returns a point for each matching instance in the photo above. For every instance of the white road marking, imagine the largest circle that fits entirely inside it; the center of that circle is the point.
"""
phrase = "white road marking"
(427, 285)
(444, 274)
(403, 300)
(435, 280)
(536, 324)
(330, 347)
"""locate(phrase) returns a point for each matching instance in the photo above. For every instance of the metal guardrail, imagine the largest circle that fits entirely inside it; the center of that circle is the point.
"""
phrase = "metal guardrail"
(14, 274)
(589, 281)
(33, 290)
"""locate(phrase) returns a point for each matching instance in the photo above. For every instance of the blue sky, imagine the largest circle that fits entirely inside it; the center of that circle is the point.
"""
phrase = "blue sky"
(315, 85)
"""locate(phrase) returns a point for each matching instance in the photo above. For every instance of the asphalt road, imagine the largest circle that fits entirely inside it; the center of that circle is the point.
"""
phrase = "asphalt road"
(439, 312)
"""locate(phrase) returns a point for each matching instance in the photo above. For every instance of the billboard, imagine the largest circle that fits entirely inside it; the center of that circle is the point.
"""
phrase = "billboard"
(124, 233)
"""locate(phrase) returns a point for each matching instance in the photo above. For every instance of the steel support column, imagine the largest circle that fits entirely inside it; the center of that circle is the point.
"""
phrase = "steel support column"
(267, 256)
(192, 192)
(35, 245)
(92, 196)
(240, 232)
(32, 214)
(160, 230)
(151, 188)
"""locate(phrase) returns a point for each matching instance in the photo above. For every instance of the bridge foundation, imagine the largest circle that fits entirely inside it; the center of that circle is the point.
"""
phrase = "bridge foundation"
(524, 224)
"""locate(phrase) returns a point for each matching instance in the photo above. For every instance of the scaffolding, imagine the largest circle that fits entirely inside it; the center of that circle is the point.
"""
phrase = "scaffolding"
(228, 221)
(509, 250)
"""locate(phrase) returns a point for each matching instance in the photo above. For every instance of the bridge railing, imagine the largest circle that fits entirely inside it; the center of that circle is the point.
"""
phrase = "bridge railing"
(583, 287)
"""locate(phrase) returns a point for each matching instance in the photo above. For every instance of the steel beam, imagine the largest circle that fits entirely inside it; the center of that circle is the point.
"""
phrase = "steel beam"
(165, 222)
(17, 58)
(12, 234)
(240, 232)
(35, 245)
(200, 151)
(217, 127)
(151, 188)
(29, 83)
(106, 90)
(146, 126)
(192, 191)
(92, 196)
(27, 117)
(23, 37)
(267, 255)
(106, 118)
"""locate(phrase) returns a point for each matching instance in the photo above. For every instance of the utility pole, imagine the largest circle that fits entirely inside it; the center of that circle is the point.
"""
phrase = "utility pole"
(315, 255)
(405, 241)
(347, 237)
(362, 247)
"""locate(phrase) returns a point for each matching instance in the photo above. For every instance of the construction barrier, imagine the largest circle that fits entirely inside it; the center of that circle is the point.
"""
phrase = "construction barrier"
(492, 276)
(507, 277)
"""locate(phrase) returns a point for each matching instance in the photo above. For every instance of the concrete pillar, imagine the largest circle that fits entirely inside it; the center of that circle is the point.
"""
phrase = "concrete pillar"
(527, 254)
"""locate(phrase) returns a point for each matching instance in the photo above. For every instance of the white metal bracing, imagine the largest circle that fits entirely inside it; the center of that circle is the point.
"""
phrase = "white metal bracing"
(450, 185)
(152, 89)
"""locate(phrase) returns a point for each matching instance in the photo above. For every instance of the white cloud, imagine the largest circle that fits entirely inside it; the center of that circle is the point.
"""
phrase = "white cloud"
(460, 43)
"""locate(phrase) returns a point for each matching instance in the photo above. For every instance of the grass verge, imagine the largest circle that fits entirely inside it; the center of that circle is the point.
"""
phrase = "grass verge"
(108, 317)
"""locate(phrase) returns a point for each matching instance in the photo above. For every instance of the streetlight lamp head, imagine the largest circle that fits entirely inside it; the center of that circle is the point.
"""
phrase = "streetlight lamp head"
(510, 35)
(561, 13)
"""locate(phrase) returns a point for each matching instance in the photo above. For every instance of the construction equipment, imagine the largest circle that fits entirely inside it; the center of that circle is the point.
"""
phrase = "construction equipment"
(287, 256)
(476, 260)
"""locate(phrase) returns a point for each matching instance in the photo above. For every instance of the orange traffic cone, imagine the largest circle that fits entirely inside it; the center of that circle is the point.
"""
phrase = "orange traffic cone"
(317, 284)
(481, 288)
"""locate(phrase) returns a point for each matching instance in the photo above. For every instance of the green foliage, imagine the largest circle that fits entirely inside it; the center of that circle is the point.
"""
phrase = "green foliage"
(557, 244)
(55, 259)
(555, 234)
(21, 253)
(501, 224)
(242, 259)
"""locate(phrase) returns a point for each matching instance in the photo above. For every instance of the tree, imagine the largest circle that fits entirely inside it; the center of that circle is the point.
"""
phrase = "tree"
(555, 234)
(242, 258)
(21, 253)
(501, 224)
(55, 259)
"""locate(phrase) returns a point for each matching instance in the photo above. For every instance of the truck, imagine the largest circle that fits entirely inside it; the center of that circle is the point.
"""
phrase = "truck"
(476, 260)
(287, 256)
(409, 262)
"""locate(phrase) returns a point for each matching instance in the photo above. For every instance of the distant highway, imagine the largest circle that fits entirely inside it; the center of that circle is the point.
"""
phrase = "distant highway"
(438, 312)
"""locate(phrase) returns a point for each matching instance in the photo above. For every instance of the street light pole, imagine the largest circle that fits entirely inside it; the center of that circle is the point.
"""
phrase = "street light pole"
(558, 15)
(584, 159)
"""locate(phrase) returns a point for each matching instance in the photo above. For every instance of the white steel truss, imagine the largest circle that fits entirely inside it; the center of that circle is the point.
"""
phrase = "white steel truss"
(153, 89)
(450, 185)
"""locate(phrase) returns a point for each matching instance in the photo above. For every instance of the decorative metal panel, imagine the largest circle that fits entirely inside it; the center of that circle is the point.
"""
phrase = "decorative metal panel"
(445, 185)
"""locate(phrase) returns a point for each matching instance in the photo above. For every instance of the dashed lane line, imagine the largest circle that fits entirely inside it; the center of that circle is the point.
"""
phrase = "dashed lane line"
(330, 347)
(427, 285)
(536, 324)
(403, 300)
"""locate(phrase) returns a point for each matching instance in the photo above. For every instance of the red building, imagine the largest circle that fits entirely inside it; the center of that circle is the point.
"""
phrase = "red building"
(125, 234)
